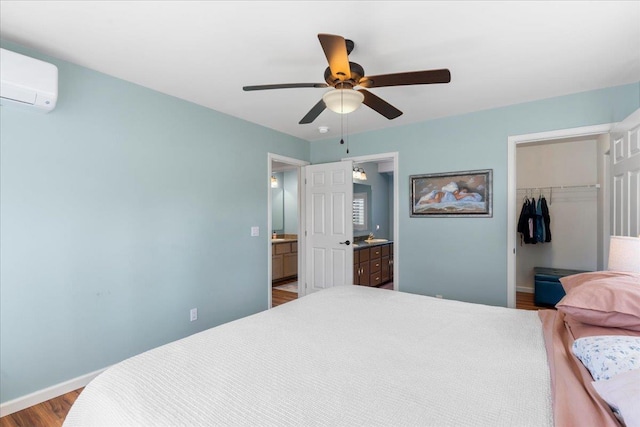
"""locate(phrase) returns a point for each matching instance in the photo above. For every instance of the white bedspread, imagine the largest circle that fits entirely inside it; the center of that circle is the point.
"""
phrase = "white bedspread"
(344, 356)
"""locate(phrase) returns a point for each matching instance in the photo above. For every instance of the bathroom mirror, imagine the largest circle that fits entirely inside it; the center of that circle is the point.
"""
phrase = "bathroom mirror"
(277, 209)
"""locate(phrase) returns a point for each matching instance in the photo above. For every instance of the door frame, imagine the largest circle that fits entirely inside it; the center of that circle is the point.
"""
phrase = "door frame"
(393, 156)
(512, 142)
(299, 164)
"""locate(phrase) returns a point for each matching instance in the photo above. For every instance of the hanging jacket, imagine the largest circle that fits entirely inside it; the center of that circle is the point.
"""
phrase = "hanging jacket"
(539, 223)
(546, 219)
(527, 222)
(531, 218)
(523, 224)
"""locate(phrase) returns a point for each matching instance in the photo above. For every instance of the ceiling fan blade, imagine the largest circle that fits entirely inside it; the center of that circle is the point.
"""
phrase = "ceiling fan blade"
(409, 78)
(284, 86)
(380, 105)
(313, 113)
(335, 49)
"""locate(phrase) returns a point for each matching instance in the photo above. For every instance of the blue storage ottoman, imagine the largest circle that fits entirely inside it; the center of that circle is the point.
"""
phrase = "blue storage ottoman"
(548, 289)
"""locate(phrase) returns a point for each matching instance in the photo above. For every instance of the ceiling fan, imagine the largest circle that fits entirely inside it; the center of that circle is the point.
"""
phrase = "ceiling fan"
(344, 76)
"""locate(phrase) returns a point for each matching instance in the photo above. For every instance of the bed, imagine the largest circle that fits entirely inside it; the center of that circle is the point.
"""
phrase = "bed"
(348, 355)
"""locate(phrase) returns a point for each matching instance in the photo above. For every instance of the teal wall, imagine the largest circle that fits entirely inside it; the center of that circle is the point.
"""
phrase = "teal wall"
(465, 258)
(121, 210)
(390, 196)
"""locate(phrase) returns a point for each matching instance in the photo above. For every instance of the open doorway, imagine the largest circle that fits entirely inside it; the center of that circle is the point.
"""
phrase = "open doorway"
(285, 213)
(331, 258)
(375, 225)
(385, 164)
(568, 239)
(566, 195)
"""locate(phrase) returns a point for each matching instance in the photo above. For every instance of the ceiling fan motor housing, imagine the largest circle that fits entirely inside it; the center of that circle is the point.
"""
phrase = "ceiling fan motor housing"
(357, 73)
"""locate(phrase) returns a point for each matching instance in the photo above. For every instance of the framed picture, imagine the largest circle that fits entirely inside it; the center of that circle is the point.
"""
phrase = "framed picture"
(452, 194)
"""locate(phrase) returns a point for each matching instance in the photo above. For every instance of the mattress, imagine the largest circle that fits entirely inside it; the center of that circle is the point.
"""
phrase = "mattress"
(348, 355)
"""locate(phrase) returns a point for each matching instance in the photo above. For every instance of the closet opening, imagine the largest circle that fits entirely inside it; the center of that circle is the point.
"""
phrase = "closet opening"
(561, 212)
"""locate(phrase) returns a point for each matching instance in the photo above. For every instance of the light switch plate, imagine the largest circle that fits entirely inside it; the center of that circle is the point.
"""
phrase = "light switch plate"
(255, 231)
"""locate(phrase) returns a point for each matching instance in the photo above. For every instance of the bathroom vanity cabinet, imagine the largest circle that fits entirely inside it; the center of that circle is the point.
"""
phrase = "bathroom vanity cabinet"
(284, 259)
(373, 264)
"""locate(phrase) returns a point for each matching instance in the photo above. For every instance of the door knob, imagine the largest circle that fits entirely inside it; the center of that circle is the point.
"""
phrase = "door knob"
(345, 243)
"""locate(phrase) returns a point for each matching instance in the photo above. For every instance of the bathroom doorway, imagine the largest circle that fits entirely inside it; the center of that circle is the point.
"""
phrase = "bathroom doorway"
(285, 212)
(375, 213)
(385, 162)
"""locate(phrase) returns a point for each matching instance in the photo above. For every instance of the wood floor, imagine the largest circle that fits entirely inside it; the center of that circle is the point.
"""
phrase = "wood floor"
(524, 301)
(279, 296)
(47, 414)
(53, 412)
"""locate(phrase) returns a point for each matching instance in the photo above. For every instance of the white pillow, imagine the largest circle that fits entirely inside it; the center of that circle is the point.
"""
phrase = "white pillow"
(605, 356)
(622, 393)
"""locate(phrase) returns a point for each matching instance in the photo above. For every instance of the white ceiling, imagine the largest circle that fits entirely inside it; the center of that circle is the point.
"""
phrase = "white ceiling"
(499, 53)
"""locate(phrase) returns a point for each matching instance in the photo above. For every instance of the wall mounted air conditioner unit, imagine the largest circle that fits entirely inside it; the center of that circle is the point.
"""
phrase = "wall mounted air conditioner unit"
(27, 82)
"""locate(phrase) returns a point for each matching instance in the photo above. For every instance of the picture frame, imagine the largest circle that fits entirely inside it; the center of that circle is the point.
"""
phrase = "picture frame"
(452, 194)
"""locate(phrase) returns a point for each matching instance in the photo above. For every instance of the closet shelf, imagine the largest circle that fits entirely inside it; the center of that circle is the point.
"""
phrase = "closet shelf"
(559, 187)
(569, 194)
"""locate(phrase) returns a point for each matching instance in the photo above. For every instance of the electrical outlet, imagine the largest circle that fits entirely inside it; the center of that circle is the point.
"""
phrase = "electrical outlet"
(193, 314)
(255, 231)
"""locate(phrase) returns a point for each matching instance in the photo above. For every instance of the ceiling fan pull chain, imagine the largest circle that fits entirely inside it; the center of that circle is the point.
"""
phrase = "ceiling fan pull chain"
(342, 132)
(347, 135)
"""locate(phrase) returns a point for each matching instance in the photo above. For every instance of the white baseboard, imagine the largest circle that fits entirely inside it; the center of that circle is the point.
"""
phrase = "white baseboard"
(526, 289)
(45, 394)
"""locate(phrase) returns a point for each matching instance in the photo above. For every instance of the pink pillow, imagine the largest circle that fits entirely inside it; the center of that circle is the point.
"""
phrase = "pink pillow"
(611, 303)
(575, 280)
(581, 330)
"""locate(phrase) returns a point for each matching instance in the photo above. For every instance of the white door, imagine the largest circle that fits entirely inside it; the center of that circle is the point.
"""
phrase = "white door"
(329, 226)
(625, 171)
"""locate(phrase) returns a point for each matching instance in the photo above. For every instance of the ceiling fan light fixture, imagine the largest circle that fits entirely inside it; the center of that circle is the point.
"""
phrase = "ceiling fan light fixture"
(343, 101)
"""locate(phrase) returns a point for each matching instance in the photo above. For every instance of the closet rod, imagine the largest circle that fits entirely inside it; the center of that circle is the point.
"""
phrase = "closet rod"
(560, 187)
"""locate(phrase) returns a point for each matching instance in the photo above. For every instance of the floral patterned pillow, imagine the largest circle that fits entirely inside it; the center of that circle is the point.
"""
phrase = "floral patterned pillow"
(606, 356)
